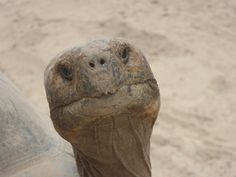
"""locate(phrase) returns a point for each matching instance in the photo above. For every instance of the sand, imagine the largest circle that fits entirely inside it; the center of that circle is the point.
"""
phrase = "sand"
(191, 47)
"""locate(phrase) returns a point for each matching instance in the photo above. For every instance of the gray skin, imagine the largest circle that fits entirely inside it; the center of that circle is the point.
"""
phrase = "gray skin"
(104, 100)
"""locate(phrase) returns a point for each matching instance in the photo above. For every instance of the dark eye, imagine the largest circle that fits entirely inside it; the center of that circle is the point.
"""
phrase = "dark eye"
(125, 55)
(65, 72)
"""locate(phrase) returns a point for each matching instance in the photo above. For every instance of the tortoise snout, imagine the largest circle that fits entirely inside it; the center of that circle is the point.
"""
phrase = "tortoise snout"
(97, 63)
(100, 74)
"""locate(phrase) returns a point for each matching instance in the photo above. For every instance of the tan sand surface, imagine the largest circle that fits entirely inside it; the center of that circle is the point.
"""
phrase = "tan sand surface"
(191, 47)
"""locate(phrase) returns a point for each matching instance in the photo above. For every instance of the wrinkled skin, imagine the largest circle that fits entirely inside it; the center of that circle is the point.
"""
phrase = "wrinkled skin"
(104, 100)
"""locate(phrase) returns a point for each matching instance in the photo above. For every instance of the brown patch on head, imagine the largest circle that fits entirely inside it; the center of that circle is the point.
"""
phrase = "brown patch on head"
(135, 63)
(60, 78)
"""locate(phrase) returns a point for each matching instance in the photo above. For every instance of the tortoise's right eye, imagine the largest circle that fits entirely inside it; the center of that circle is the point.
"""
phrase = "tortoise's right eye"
(125, 55)
(65, 72)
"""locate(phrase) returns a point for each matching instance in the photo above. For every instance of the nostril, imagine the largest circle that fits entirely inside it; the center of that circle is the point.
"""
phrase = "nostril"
(102, 61)
(91, 64)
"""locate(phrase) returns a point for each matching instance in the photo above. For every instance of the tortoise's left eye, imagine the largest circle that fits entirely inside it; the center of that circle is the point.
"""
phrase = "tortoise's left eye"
(65, 72)
(125, 55)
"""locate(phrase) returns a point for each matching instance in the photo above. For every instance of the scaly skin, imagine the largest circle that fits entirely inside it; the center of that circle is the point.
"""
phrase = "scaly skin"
(104, 100)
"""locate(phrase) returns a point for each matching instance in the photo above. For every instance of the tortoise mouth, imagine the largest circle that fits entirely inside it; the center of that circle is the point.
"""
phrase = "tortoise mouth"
(151, 82)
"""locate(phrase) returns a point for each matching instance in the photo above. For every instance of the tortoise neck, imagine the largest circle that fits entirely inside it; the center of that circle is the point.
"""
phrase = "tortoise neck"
(116, 147)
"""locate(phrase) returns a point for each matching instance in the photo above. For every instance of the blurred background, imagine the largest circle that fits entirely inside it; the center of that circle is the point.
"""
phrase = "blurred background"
(190, 45)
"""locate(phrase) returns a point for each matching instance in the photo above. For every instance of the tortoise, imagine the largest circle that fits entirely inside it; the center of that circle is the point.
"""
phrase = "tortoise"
(104, 100)
(28, 146)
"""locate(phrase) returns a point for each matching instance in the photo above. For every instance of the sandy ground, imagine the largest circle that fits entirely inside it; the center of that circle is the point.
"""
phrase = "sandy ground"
(191, 47)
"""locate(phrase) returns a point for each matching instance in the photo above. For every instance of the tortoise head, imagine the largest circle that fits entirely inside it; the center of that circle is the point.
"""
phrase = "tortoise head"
(102, 78)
